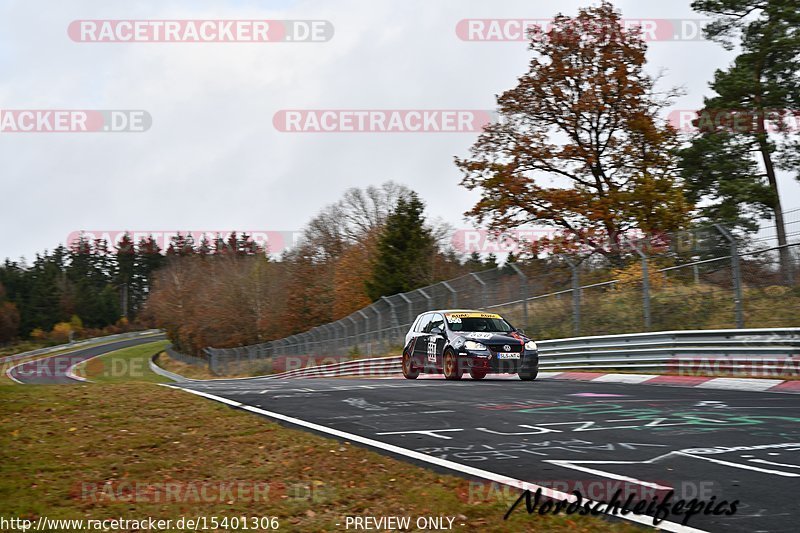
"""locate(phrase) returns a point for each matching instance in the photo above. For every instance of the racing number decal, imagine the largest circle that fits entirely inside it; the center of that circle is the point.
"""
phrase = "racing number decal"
(432, 349)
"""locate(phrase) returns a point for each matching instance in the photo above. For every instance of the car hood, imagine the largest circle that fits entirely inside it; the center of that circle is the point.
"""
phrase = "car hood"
(492, 338)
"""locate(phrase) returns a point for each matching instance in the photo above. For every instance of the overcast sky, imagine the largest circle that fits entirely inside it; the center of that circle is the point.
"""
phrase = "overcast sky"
(213, 160)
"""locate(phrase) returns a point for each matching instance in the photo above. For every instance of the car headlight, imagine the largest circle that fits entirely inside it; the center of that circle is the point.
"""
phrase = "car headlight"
(476, 346)
(530, 345)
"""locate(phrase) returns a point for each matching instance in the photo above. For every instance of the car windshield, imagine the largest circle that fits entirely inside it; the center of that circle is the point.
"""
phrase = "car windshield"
(479, 324)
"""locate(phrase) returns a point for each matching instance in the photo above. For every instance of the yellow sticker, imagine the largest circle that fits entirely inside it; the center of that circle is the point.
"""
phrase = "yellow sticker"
(470, 315)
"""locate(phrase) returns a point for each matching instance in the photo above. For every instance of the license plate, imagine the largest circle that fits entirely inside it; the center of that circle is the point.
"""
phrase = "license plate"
(503, 355)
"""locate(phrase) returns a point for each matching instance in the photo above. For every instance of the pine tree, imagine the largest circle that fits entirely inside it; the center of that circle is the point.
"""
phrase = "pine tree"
(405, 251)
(125, 271)
(762, 85)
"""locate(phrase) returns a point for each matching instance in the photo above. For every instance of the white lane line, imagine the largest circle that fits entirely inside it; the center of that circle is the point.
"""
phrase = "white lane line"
(742, 384)
(765, 462)
(623, 378)
(602, 473)
(444, 463)
(739, 465)
(11, 376)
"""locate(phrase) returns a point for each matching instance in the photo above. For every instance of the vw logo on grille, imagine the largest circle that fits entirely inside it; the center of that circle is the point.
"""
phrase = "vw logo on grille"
(507, 347)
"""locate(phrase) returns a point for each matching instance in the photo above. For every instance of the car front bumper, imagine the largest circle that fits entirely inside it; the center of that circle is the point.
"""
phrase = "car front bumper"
(490, 363)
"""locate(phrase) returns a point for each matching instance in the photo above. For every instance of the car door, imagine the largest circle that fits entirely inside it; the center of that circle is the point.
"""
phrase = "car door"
(434, 345)
(419, 348)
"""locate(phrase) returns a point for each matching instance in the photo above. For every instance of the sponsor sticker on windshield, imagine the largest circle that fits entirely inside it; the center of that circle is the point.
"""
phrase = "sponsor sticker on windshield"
(455, 318)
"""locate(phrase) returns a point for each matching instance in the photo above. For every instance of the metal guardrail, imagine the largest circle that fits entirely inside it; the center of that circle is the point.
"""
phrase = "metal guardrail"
(659, 352)
(164, 372)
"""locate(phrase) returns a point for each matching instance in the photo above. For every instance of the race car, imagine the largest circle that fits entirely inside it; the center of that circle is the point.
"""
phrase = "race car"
(453, 342)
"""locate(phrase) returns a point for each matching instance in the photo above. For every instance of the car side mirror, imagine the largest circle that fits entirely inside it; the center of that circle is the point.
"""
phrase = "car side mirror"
(436, 331)
(520, 331)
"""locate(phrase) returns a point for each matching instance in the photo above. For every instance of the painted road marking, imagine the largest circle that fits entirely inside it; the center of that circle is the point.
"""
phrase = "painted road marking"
(444, 463)
(428, 432)
(623, 378)
(745, 384)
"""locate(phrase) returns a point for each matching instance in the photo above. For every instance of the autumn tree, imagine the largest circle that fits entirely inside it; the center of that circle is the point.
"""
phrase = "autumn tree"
(352, 268)
(9, 318)
(579, 145)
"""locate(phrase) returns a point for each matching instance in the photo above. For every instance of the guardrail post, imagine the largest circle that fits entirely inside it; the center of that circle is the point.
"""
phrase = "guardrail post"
(576, 296)
(483, 288)
(645, 287)
(525, 294)
(736, 274)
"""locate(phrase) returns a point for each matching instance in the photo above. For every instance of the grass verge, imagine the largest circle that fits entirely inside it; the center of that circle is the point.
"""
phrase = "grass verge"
(75, 451)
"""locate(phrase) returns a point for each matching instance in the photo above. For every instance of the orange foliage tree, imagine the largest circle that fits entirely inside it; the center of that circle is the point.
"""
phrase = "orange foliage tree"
(579, 146)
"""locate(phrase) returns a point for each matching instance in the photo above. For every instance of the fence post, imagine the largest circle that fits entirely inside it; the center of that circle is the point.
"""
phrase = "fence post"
(392, 317)
(353, 339)
(453, 292)
(340, 349)
(427, 298)
(312, 335)
(364, 329)
(483, 289)
(525, 294)
(645, 287)
(330, 339)
(737, 275)
(409, 309)
(378, 323)
(576, 296)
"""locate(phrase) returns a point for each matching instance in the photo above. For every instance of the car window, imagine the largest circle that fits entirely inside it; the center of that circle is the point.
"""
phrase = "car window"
(423, 322)
(436, 322)
(477, 321)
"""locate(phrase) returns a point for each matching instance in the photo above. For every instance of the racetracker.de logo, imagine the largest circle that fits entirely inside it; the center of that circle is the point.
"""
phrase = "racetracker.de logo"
(272, 241)
(735, 120)
(73, 120)
(200, 31)
(519, 29)
(382, 120)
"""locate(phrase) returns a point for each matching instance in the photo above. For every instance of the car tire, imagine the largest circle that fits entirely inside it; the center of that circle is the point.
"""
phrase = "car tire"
(409, 372)
(528, 374)
(450, 366)
(477, 374)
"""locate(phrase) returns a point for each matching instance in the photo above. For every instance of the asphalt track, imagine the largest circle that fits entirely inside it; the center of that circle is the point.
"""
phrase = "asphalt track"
(592, 437)
(55, 369)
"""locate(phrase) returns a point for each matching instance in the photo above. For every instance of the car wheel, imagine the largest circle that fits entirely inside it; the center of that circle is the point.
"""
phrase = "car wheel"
(409, 372)
(528, 374)
(451, 368)
(477, 374)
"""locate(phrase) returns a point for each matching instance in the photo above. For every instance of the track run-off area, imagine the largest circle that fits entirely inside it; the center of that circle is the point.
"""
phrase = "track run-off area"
(506, 435)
